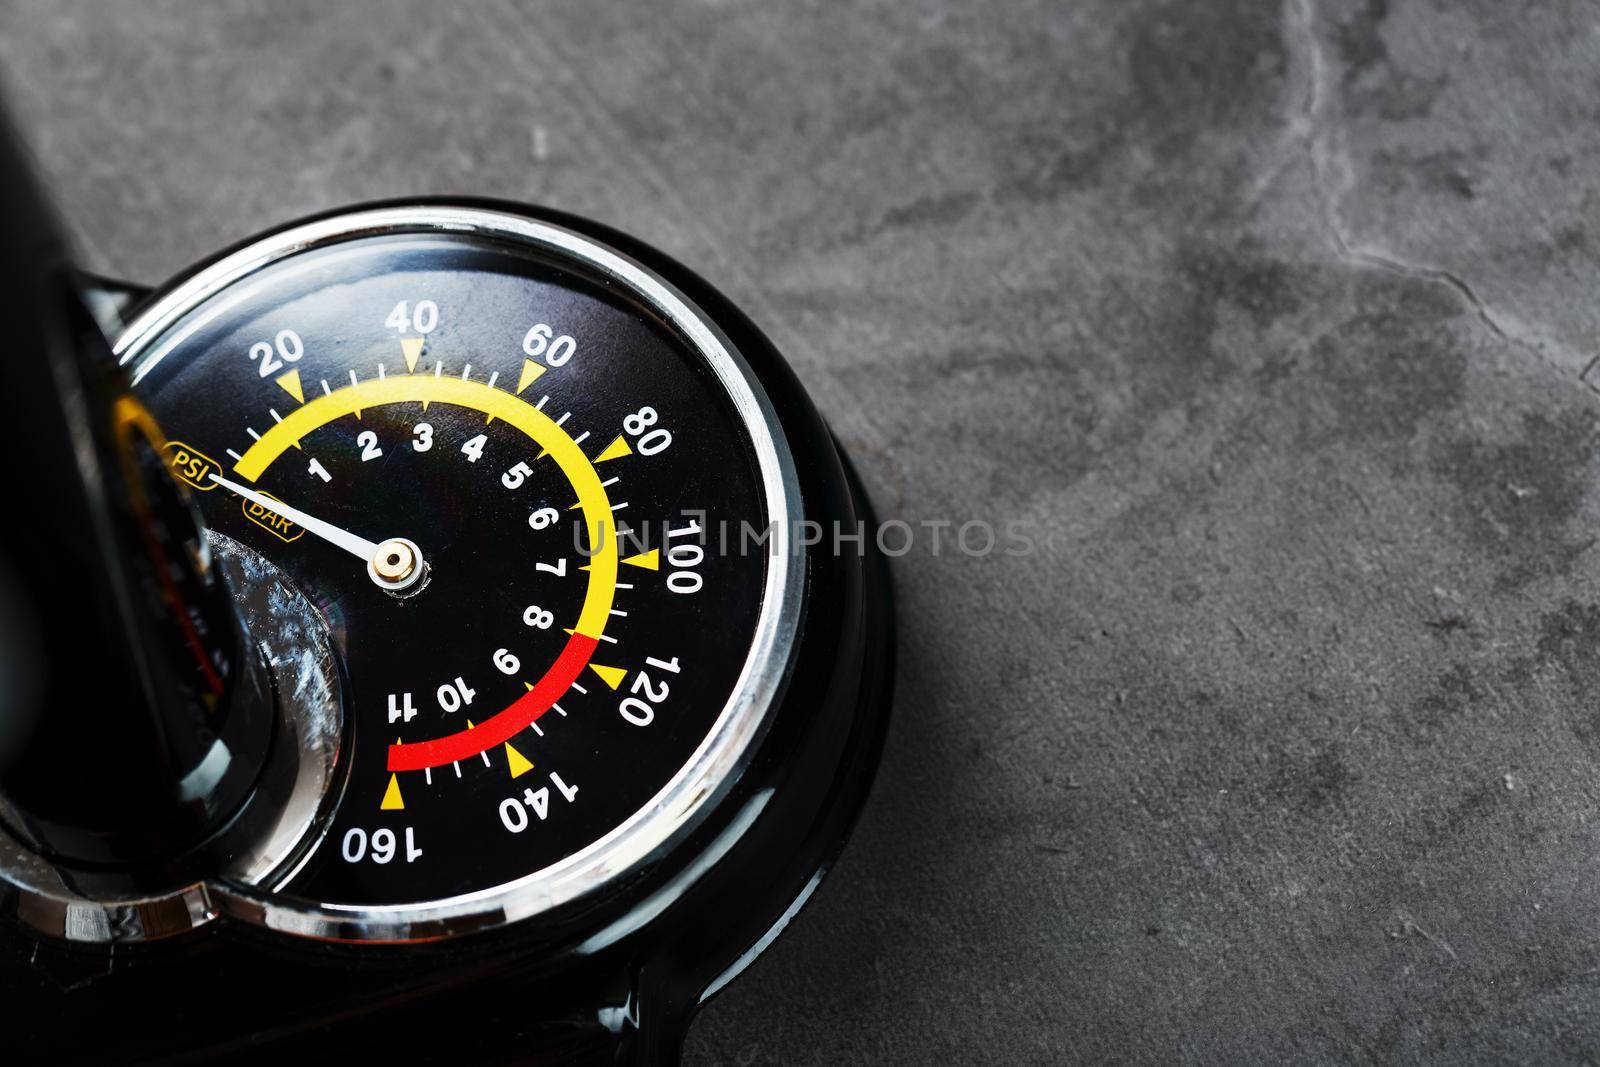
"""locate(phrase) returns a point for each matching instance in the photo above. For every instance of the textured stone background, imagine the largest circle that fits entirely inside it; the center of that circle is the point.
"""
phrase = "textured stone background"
(1274, 315)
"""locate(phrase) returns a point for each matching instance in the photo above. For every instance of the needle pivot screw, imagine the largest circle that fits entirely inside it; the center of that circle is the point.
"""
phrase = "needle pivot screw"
(397, 566)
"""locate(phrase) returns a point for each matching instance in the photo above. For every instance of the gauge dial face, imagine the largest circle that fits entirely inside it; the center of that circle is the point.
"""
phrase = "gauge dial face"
(518, 492)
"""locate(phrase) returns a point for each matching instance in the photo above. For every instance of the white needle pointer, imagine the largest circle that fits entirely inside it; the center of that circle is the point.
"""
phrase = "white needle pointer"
(396, 565)
(356, 546)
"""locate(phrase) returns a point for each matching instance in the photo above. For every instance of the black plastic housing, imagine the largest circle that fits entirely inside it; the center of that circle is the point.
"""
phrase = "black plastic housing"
(612, 978)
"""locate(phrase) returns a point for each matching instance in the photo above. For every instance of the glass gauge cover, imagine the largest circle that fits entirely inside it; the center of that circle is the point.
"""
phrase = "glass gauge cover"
(539, 503)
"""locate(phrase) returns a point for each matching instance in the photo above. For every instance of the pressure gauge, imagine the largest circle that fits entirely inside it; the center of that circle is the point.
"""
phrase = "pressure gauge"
(545, 508)
(577, 575)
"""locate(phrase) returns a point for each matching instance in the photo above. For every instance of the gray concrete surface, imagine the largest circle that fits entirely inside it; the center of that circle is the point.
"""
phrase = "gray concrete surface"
(1274, 315)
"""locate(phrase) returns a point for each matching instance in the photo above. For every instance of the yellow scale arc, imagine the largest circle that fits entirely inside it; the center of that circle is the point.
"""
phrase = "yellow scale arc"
(535, 424)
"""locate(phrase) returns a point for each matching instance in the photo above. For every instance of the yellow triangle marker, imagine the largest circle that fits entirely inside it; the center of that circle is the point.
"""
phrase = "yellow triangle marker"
(612, 676)
(412, 347)
(530, 374)
(517, 762)
(291, 385)
(650, 561)
(615, 450)
(391, 796)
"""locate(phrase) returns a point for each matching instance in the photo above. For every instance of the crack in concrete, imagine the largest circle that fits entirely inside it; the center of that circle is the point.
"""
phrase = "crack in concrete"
(1333, 179)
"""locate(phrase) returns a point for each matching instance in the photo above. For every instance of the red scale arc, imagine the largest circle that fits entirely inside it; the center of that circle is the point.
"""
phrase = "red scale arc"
(505, 724)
